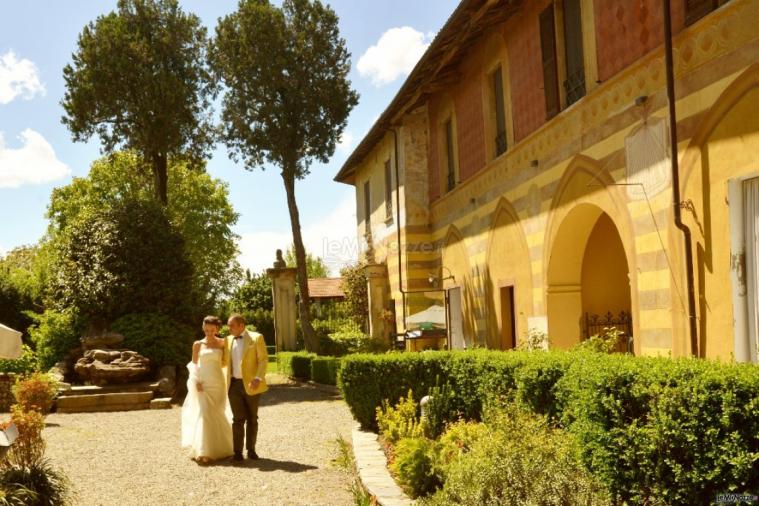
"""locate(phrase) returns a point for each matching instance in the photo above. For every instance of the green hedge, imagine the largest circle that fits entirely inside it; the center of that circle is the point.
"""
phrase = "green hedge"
(324, 370)
(295, 363)
(652, 429)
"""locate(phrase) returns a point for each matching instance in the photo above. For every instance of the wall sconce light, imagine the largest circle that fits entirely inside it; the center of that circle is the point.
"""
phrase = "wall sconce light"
(435, 281)
(641, 100)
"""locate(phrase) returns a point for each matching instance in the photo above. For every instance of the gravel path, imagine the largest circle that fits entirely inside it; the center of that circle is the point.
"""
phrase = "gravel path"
(134, 458)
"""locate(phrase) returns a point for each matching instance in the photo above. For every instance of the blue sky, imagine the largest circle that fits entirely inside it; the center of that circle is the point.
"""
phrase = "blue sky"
(37, 38)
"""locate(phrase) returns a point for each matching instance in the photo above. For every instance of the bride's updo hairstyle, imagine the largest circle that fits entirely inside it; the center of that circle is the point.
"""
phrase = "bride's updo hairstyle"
(212, 320)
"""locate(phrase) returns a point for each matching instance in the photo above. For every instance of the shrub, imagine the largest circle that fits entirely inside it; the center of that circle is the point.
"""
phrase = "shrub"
(55, 334)
(606, 342)
(400, 421)
(519, 460)
(656, 429)
(157, 337)
(295, 364)
(457, 440)
(439, 410)
(324, 370)
(35, 392)
(29, 447)
(651, 429)
(38, 484)
(413, 466)
(22, 365)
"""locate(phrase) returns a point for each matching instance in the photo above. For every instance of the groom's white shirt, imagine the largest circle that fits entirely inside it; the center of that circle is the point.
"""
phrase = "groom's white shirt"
(237, 348)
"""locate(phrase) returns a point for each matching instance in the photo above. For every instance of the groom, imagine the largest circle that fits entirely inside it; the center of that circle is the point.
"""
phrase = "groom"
(246, 381)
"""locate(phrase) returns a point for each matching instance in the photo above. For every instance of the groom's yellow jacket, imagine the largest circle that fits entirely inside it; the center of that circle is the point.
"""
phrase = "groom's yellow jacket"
(255, 358)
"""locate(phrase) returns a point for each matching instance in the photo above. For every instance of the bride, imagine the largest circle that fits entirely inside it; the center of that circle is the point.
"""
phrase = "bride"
(206, 427)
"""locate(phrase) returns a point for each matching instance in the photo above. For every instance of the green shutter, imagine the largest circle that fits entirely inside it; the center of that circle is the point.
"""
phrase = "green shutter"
(550, 73)
(500, 112)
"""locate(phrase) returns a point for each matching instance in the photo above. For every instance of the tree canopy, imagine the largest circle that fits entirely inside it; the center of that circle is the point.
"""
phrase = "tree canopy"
(253, 294)
(121, 259)
(139, 81)
(199, 211)
(286, 98)
(315, 266)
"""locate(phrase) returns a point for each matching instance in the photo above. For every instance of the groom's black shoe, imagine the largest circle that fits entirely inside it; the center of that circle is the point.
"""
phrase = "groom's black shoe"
(253, 455)
(237, 457)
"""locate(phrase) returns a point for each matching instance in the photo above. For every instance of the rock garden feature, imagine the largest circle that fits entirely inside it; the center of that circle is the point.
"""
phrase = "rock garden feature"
(111, 367)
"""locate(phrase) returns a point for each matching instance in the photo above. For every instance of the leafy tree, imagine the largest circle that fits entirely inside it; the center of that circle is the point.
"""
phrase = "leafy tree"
(254, 293)
(315, 266)
(22, 283)
(112, 261)
(356, 295)
(139, 81)
(199, 209)
(287, 98)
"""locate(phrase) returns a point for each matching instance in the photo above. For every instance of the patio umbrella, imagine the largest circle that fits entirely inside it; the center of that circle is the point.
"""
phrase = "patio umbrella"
(434, 314)
(10, 342)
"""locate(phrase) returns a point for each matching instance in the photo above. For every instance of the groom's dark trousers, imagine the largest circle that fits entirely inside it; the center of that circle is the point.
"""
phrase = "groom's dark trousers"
(244, 412)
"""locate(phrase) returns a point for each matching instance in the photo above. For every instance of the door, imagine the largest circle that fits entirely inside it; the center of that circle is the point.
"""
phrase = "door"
(508, 319)
(743, 197)
(455, 320)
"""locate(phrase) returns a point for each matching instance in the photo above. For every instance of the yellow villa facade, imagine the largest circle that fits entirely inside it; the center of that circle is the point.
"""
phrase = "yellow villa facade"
(524, 170)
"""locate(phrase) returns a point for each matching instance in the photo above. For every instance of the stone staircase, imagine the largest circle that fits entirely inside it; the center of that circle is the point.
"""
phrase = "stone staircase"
(127, 397)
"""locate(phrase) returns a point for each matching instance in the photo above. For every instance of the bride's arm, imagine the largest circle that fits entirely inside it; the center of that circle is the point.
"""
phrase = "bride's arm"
(193, 373)
(195, 352)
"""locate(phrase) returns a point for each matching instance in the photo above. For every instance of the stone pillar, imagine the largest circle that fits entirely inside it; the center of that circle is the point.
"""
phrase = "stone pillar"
(285, 309)
(377, 290)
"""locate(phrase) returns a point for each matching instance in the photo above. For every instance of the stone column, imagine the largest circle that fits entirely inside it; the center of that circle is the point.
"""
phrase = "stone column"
(377, 290)
(285, 309)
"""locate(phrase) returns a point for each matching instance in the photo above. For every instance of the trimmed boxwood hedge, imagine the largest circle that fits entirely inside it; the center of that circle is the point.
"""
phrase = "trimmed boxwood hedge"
(324, 370)
(654, 430)
(295, 363)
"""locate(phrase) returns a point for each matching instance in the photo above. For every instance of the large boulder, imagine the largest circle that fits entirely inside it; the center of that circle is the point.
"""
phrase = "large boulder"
(108, 367)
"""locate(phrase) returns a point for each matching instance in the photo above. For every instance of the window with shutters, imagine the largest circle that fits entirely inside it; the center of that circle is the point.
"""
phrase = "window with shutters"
(499, 109)
(564, 37)
(388, 193)
(697, 9)
(367, 207)
(450, 159)
(574, 84)
(548, 53)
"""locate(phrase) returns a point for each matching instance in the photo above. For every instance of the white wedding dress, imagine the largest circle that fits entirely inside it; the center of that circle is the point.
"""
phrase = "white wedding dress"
(206, 416)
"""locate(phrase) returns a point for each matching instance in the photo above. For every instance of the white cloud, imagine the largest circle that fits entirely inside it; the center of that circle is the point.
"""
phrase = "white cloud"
(18, 78)
(332, 238)
(395, 54)
(33, 163)
(346, 143)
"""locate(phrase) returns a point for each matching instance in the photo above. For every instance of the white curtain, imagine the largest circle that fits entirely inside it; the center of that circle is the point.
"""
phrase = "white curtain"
(751, 231)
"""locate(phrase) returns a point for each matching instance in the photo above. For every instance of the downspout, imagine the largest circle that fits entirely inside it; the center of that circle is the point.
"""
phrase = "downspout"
(668, 62)
(398, 226)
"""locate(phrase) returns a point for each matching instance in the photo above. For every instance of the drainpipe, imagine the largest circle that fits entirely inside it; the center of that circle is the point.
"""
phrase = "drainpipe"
(668, 62)
(398, 225)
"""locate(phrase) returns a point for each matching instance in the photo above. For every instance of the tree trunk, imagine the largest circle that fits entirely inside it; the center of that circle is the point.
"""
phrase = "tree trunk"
(309, 336)
(161, 175)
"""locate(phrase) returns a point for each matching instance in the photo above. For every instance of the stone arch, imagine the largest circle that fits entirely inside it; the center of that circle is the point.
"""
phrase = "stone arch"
(721, 153)
(508, 278)
(455, 259)
(585, 193)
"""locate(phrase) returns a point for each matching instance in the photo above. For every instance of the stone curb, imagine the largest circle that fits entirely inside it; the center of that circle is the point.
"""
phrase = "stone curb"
(372, 470)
